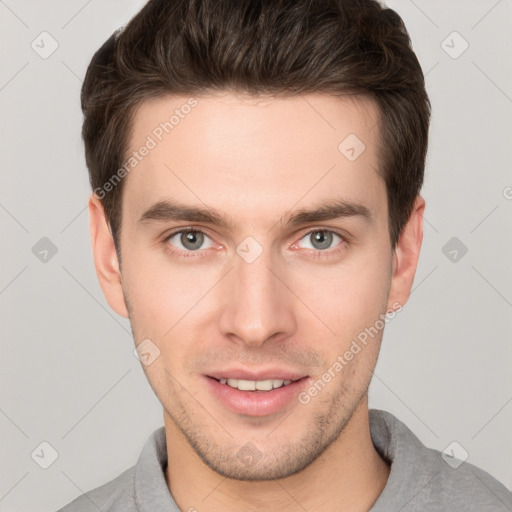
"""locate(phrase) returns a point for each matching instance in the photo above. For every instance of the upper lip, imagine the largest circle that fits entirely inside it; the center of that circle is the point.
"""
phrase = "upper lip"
(267, 374)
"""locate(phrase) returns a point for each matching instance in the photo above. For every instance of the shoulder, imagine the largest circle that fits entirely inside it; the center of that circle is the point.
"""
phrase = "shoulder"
(425, 479)
(139, 484)
(462, 487)
(116, 495)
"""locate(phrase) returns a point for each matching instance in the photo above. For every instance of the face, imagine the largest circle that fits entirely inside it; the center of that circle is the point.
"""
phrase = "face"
(255, 250)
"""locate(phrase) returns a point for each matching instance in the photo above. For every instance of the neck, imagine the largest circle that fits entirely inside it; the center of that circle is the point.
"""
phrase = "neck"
(348, 477)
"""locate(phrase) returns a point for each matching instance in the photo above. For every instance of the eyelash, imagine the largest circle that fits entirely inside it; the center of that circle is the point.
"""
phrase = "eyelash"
(201, 253)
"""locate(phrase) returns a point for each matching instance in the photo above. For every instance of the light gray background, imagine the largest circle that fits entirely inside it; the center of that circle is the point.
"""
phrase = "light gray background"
(68, 373)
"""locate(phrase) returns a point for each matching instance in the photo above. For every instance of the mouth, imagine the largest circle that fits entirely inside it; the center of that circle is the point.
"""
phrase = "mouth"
(255, 385)
(262, 395)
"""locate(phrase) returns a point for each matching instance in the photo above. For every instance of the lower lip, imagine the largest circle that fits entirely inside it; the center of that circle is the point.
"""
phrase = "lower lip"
(255, 403)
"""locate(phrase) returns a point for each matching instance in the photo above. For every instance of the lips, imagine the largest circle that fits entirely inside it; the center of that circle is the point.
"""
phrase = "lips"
(255, 393)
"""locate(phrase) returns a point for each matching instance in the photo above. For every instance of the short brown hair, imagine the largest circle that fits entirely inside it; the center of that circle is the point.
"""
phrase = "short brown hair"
(269, 47)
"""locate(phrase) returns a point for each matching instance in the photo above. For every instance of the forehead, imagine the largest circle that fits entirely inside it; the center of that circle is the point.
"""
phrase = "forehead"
(254, 156)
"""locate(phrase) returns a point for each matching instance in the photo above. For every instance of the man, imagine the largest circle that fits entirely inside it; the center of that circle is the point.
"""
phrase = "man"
(256, 213)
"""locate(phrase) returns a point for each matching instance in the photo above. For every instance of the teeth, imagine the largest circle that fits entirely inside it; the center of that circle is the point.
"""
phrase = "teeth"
(253, 385)
(243, 385)
(265, 385)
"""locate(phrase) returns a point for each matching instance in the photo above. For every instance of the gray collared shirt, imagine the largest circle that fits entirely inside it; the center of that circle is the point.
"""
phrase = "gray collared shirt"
(420, 480)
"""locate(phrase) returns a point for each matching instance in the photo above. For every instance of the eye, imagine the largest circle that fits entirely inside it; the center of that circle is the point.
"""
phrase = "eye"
(189, 240)
(320, 239)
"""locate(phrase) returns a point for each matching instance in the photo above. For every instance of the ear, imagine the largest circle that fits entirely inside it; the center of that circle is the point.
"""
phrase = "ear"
(405, 257)
(105, 257)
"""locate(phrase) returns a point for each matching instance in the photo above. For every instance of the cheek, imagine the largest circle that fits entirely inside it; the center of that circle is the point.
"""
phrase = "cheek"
(170, 304)
(163, 302)
(348, 297)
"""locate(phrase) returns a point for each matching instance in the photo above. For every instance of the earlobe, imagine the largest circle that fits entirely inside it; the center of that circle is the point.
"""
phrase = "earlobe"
(105, 258)
(405, 257)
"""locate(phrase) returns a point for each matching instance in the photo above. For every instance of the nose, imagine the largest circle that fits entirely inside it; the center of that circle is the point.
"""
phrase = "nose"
(257, 302)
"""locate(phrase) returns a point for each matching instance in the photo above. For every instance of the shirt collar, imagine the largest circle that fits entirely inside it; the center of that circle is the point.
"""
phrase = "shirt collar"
(391, 438)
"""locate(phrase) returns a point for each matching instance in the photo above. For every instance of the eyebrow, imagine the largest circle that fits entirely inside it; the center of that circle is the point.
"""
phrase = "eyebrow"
(163, 211)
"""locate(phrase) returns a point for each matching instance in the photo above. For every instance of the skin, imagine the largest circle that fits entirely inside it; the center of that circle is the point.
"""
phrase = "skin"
(297, 306)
